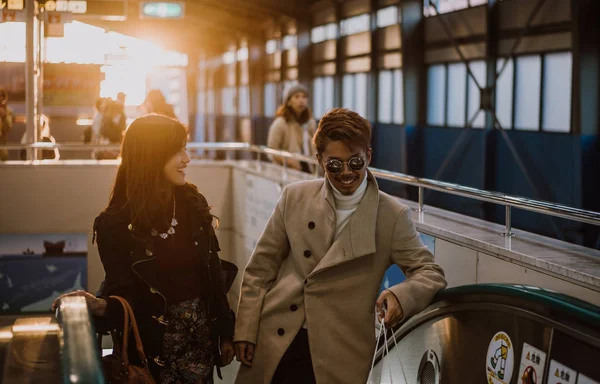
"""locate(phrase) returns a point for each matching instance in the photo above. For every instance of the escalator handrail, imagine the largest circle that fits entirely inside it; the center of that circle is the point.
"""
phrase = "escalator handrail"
(80, 355)
(579, 309)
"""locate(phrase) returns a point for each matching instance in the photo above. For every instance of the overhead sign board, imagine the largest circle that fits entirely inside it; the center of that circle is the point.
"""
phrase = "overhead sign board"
(73, 6)
(161, 10)
(9, 15)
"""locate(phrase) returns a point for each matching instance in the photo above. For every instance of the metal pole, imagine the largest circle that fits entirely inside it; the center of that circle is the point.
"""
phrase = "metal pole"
(507, 220)
(31, 127)
(420, 209)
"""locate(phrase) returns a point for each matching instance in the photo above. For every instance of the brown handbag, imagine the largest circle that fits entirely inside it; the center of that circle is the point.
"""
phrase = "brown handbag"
(116, 366)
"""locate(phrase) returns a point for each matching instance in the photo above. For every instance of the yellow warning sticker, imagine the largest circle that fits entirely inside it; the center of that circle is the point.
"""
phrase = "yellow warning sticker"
(500, 359)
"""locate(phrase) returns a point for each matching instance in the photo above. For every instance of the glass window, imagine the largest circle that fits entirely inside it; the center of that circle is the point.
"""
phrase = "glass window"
(322, 95)
(211, 102)
(504, 93)
(244, 100)
(271, 46)
(436, 94)
(228, 57)
(398, 97)
(527, 92)
(228, 106)
(331, 31)
(242, 54)
(289, 41)
(328, 86)
(387, 16)
(457, 94)
(474, 3)
(557, 92)
(444, 6)
(270, 102)
(355, 24)
(385, 99)
(361, 92)
(474, 94)
(348, 92)
(317, 96)
(323, 32)
(317, 34)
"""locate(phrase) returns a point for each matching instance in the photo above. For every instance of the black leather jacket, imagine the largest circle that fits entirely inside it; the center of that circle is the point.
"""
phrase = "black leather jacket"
(131, 272)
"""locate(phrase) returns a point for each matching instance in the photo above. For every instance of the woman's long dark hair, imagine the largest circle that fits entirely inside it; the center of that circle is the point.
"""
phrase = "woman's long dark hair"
(141, 186)
(288, 114)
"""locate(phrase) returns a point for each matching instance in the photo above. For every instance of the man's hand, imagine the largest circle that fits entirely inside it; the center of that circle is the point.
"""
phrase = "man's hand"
(227, 352)
(244, 352)
(96, 305)
(393, 313)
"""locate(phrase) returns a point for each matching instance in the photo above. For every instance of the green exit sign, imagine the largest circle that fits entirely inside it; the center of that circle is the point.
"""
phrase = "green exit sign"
(161, 10)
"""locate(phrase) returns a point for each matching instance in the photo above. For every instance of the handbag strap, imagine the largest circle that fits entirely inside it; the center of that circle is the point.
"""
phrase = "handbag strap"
(129, 318)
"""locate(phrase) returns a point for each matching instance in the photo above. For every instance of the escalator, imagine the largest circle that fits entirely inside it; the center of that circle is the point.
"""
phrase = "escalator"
(48, 349)
(495, 334)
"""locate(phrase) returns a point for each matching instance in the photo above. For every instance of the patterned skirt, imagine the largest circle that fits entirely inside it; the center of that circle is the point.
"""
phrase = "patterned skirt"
(187, 345)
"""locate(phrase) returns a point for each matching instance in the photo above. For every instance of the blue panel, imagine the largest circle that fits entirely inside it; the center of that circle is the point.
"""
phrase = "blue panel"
(387, 154)
(467, 167)
(30, 283)
(554, 164)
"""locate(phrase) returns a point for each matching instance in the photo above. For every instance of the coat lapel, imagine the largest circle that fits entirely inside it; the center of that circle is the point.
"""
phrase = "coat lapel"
(357, 239)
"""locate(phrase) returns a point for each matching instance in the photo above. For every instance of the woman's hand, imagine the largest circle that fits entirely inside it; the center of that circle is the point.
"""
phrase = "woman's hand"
(96, 305)
(244, 352)
(227, 352)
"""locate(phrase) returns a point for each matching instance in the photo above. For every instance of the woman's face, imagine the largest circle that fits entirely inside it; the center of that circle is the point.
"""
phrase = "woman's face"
(298, 102)
(175, 167)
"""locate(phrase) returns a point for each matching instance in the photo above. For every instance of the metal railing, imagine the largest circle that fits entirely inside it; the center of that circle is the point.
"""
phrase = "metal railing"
(80, 353)
(508, 201)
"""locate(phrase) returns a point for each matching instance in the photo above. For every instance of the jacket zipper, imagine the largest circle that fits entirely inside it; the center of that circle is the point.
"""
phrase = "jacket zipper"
(152, 289)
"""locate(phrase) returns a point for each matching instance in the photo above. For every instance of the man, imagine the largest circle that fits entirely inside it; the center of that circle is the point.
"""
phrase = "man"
(6, 122)
(309, 293)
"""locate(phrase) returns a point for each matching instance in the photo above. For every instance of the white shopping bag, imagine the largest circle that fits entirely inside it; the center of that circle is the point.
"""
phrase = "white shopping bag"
(384, 375)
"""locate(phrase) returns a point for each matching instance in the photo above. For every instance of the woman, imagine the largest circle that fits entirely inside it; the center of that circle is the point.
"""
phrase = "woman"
(293, 128)
(159, 252)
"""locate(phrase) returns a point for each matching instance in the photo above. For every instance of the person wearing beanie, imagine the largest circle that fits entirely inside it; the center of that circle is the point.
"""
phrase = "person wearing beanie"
(293, 128)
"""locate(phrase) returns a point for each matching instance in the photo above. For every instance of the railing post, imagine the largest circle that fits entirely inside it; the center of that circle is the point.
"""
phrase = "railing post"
(507, 219)
(420, 209)
(258, 160)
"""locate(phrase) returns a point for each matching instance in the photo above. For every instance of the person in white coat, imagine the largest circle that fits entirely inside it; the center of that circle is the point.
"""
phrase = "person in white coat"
(310, 290)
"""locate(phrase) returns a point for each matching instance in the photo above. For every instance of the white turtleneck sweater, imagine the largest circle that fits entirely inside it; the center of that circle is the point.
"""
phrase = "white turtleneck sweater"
(345, 205)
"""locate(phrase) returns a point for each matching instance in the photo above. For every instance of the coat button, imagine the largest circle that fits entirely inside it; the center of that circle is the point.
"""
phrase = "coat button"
(307, 253)
(293, 307)
(149, 252)
(311, 225)
(195, 243)
(280, 331)
(130, 227)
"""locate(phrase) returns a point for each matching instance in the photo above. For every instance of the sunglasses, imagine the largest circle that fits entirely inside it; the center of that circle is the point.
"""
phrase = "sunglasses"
(336, 166)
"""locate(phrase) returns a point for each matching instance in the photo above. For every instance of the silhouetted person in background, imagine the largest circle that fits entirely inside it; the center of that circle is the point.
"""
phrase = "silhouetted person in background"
(6, 122)
(156, 103)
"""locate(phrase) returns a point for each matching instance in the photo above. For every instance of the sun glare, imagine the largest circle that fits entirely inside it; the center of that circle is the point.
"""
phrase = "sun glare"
(127, 62)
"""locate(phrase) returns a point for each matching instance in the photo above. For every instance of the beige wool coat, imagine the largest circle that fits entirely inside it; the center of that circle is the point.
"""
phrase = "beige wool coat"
(299, 273)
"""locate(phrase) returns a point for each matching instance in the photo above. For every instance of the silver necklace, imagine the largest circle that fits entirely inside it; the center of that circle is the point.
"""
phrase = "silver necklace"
(171, 230)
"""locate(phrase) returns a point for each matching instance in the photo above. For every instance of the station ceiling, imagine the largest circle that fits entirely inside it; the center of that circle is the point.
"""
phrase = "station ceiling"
(208, 24)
